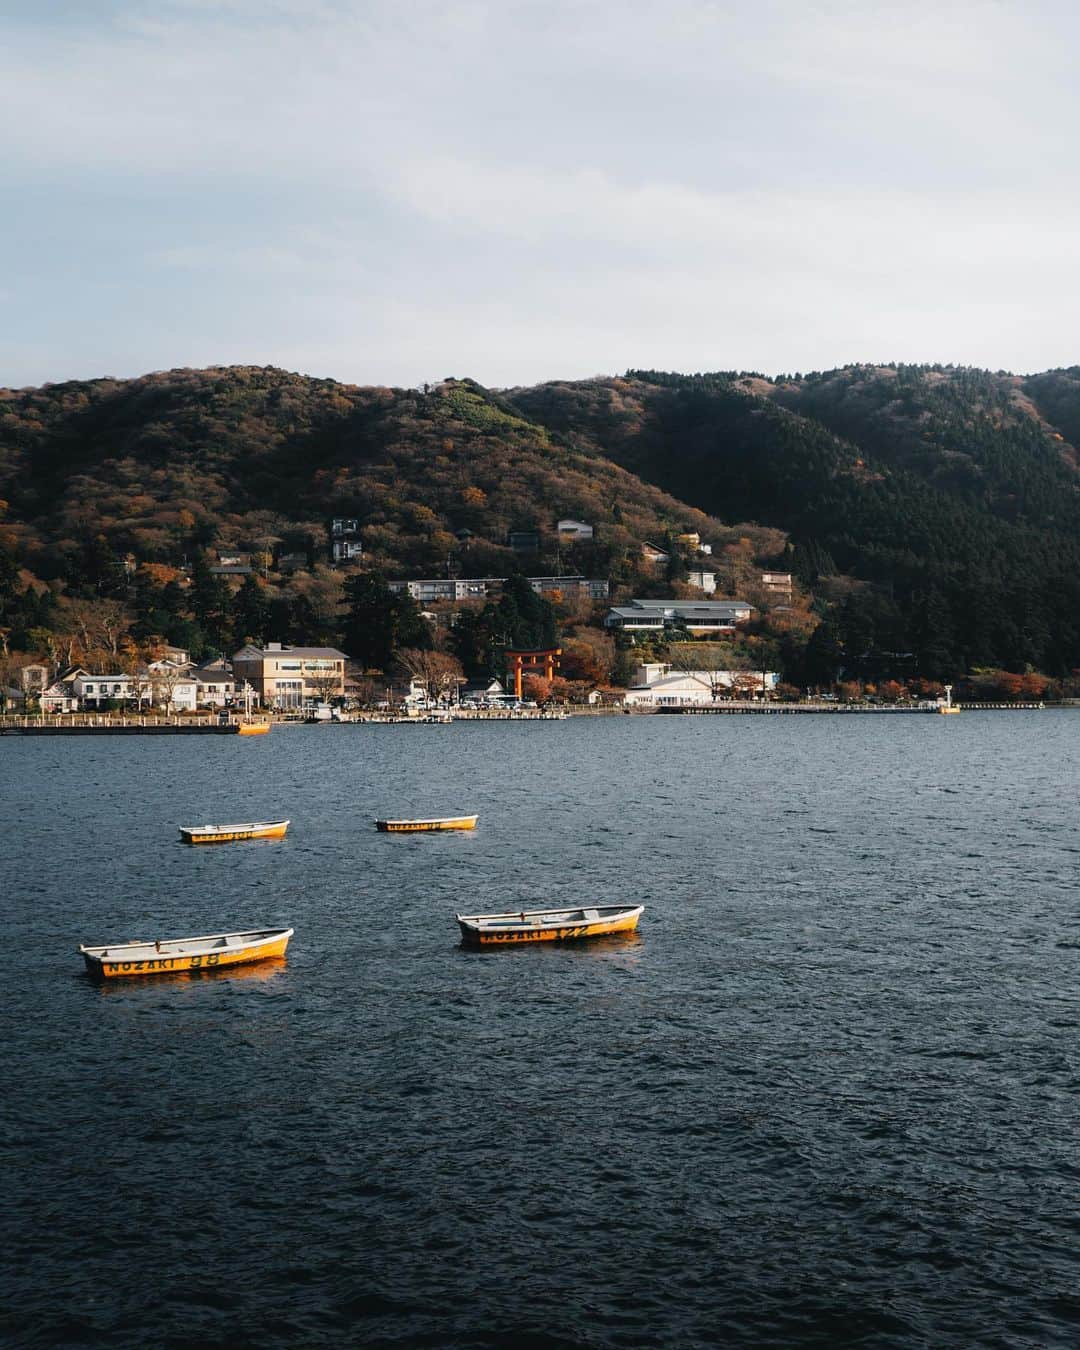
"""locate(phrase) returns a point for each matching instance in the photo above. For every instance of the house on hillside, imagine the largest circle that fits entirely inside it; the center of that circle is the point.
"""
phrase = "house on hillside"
(292, 562)
(523, 541)
(574, 531)
(778, 583)
(704, 578)
(345, 545)
(655, 556)
(429, 590)
(593, 588)
(702, 618)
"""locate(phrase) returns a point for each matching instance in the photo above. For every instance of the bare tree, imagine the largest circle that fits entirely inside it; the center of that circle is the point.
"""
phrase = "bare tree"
(94, 626)
(439, 672)
(326, 683)
(710, 664)
(163, 681)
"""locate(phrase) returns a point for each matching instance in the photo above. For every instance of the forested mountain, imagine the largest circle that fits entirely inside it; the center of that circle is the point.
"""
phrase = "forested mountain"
(950, 496)
(933, 513)
(259, 459)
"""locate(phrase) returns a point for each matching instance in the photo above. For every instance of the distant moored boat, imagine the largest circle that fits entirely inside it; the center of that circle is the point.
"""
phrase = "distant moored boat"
(252, 728)
(224, 834)
(547, 925)
(427, 823)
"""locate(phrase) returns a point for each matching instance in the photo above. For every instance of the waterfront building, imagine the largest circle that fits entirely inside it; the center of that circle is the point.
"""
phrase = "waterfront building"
(216, 686)
(94, 692)
(170, 685)
(286, 678)
(659, 684)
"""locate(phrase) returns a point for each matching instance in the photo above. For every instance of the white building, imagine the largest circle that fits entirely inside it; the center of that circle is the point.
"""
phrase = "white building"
(431, 589)
(215, 684)
(704, 579)
(574, 531)
(171, 685)
(658, 684)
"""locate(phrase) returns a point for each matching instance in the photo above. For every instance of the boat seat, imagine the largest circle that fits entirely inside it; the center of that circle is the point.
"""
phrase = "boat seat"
(591, 914)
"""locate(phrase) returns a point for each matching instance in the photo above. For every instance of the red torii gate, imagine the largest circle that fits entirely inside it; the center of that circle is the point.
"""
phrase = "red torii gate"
(520, 661)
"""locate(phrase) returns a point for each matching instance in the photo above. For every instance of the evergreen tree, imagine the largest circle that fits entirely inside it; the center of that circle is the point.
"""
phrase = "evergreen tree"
(933, 638)
(824, 656)
(251, 613)
(522, 618)
(210, 604)
(381, 621)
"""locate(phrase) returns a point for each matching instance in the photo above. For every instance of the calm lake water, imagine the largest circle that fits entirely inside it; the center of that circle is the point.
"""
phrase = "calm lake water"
(828, 1096)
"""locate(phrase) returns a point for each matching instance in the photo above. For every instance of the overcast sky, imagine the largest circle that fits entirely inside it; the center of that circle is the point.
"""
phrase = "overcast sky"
(393, 191)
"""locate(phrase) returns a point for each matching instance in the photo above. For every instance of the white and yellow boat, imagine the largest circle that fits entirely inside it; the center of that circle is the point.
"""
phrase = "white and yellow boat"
(224, 834)
(547, 925)
(179, 954)
(252, 728)
(427, 823)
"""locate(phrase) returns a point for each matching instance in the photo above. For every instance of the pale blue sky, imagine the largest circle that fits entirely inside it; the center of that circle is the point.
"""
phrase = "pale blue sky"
(392, 191)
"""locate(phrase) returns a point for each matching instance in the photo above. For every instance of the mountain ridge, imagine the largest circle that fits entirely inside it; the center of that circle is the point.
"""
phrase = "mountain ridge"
(931, 489)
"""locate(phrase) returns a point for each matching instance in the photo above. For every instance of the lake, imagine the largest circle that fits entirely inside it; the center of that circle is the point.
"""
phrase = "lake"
(828, 1095)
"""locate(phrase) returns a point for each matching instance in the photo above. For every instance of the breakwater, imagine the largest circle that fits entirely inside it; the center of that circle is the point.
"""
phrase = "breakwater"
(847, 709)
(120, 726)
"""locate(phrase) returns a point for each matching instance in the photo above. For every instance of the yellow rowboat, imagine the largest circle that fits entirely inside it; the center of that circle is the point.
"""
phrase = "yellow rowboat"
(252, 728)
(547, 925)
(223, 834)
(428, 823)
(178, 954)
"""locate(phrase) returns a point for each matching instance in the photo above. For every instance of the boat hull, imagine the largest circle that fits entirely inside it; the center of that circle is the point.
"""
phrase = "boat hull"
(116, 967)
(510, 934)
(421, 826)
(252, 728)
(276, 830)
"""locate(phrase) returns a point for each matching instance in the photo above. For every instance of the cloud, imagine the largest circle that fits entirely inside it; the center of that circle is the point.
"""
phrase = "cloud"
(512, 188)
